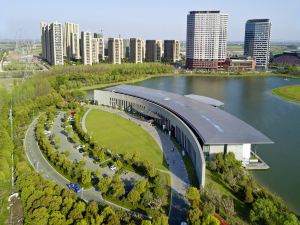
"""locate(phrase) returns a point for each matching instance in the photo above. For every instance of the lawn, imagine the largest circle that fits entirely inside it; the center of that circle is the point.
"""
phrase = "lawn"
(121, 136)
(290, 93)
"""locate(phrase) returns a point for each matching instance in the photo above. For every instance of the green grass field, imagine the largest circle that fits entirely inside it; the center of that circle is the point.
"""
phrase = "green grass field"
(290, 93)
(121, 136)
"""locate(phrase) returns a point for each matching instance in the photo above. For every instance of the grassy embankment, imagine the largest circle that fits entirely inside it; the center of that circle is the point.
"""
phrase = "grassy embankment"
(289, 93)
(121, 136)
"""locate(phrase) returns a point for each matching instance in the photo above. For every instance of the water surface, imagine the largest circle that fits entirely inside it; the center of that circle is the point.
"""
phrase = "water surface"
(251, 100)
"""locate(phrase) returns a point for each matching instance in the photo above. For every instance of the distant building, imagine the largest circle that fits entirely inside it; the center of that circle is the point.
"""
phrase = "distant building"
(95, 50)
(206, 44)
(153, 50)
(288, 58)
(115, 50)
(101, 46)
(136, 50)
(257, 41)
(97, 35)
(45, 40)
(71, 41)
(172, 50)
(86, 48)
(240, 64)
(52, 42)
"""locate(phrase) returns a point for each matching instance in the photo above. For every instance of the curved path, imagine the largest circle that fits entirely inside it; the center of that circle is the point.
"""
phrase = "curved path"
(179, 176)
(44, 168)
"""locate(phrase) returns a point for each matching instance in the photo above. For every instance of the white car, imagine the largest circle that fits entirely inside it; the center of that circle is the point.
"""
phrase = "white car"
(47, 132)
(70, 119)
(80, 147)
(112, 167)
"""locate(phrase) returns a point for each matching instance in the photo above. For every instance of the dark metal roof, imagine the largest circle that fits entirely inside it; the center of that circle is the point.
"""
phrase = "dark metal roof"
(206, 100)
(212, 125)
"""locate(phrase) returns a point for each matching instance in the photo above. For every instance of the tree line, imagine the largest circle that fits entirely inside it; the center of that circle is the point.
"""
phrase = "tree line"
(72, 77)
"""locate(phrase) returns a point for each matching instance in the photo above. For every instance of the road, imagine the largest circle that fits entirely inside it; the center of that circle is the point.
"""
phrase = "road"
(43, 167)
(179, 176)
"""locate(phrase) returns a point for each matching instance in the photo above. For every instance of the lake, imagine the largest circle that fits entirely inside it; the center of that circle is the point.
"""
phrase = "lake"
(251, 100)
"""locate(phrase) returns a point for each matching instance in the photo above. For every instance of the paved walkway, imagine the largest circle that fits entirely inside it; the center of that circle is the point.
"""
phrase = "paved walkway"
(180, 181)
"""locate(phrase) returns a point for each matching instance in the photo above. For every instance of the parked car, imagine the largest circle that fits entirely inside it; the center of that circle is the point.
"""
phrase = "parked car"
(47, 132)
(80, 148)
(74, 187)
(70, 119)
(112, 167)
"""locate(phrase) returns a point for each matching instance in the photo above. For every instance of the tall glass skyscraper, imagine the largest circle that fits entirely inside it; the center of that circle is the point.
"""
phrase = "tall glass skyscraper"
(257, 41)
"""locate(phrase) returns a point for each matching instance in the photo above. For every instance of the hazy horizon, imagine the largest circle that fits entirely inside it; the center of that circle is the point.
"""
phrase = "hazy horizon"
(148, 20)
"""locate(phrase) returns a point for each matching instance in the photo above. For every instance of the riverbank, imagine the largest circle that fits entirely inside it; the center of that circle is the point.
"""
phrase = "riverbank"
(289, 93)
(176, 74)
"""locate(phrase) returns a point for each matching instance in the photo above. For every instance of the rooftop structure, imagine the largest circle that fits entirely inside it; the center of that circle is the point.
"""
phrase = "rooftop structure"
(288, 58)
(207, 100)
(212, 125)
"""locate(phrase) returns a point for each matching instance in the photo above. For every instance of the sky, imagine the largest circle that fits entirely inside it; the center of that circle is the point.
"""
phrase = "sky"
(148, 19)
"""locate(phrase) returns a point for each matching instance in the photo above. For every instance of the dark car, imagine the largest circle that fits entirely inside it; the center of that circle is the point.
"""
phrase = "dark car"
(74, 187)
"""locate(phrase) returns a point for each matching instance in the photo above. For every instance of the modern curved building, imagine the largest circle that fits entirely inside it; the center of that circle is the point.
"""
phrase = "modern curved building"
(199, 127)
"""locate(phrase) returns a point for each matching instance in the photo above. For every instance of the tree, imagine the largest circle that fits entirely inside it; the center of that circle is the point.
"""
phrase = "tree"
(160, 220)
(149, 169)
(248, 194)
(263, 211)
(104, 184)
(118, 189)
(56, 218)
(39, 216)
(134, 196)
(86, 177)
(210, 220)
(76, 212)
(146, 222)
(194, 216)
(193, 196)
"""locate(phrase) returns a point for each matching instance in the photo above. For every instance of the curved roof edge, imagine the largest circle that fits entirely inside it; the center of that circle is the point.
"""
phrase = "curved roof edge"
(212, 125)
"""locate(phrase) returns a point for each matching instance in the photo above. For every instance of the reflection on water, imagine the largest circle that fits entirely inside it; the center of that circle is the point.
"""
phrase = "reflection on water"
(250, 99)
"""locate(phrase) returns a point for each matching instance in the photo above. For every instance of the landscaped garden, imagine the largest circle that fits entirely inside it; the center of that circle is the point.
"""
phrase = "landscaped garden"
(123, 136)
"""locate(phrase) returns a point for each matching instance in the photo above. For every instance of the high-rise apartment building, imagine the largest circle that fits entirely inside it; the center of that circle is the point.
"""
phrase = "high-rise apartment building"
(101, 46)
(86, 48)
(136, 50)
(52, 42)
(115, 50)
(45, 40)
(206, 43)
(153, 50)
(95, 50)
(171, 50)
(257, 41)
(71, 40)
